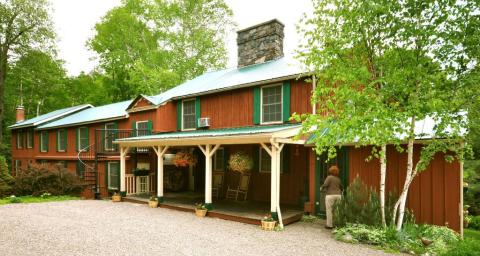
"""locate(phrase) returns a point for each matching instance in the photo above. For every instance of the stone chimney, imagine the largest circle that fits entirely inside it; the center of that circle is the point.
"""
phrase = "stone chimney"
(260, 43)
(20, 115)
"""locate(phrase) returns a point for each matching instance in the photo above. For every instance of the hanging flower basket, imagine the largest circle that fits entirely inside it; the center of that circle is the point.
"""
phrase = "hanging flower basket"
(183, 158)
(240, 162)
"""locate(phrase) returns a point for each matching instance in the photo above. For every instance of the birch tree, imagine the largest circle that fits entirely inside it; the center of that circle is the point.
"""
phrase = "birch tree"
(383, 66)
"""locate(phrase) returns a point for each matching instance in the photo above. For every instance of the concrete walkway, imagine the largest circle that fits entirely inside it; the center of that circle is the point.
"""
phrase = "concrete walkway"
(105, 228)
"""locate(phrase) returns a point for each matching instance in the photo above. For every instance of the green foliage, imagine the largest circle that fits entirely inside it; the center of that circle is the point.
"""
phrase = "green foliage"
(406, 240)
(6, 180)
(14, 200)
(361, 205)
(24, 25)
(474, 222)
(38, 179)
(35, 199)
(467, 247)
(471, 234)
(149, 46)
(471, 176)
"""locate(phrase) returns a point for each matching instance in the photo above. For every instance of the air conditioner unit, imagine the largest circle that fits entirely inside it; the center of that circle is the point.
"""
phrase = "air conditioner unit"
(204, 122)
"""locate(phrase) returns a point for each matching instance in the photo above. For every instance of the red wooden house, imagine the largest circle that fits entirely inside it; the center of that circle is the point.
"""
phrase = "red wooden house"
(212, 116)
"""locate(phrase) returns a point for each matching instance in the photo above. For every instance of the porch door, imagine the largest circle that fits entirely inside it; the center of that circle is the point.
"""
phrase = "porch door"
(321, 173)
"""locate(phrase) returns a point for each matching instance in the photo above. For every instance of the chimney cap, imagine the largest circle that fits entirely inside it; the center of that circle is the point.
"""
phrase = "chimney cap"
(261, 24)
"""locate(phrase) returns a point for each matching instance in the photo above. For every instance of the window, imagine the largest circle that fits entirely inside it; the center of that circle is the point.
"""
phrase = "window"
(188, 115)
(271, 104)
(61, 140)
(110, 133)
(82, 138)
(113, 175)
(20, 140)
(80, 169)
(219, 160)
(18, 165)
(44, 141)
(142, 128)
(29, 139)
(265, 161)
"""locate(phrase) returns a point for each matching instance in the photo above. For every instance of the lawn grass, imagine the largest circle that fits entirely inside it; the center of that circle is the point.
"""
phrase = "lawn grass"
(37, 199)
(471, 233)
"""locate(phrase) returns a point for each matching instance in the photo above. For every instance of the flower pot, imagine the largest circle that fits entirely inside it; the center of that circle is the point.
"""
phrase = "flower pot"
(268, 225)
(153, 204)
(116, 198)
(201, 212)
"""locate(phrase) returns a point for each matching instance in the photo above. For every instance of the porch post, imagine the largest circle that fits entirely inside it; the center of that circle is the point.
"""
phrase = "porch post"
(208, 151)
(160, 151)
(123, 153)
(273, 183)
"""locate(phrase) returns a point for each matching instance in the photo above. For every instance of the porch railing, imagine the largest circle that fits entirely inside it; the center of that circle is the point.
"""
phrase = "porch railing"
(131, 183)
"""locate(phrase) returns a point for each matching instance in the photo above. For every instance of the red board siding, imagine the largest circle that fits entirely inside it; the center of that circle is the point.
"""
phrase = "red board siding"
(301, 92)
(434, 195)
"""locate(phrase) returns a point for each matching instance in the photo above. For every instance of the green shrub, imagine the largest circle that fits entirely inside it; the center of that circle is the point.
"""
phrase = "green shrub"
(361, 205)
(474, 222)
(467, 247)
(407, 240)
(471, 195)
(15, 200)
(6, 180)
(39, 179)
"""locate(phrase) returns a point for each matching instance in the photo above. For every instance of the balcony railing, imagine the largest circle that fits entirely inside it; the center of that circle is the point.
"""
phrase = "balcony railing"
(105, 137)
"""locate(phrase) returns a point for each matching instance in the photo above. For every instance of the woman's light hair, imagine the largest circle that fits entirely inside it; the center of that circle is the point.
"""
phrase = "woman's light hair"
(333, 170)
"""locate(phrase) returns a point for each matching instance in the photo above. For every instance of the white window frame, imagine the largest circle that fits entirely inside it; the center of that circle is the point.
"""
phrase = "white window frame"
(106, 134)
(58, 141)
(194, 113)
(140, 122)
(29, 141)
(260, 161)
(215, 168)
(79, 143)
(18, 164)
(261, 104)
(109, 177)
(20, 139)
(42, 141)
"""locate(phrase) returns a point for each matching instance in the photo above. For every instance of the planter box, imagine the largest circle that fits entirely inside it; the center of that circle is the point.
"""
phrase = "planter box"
(153, 204)
(201, 212)
(116, 198)
(268, 225)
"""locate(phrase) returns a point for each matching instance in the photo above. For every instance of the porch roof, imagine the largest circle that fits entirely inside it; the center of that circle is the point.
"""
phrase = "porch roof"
(240, 135)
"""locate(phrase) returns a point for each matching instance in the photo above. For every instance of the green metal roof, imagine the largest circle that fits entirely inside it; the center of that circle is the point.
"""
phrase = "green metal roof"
(48, 117)
(214, 132)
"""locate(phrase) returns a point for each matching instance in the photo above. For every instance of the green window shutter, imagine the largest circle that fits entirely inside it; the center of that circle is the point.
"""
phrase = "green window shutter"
(286, 101)
(118, 176)
(256, 158)
(77, 134)
(57, 141)
(134, 128)
(47, 139)
(65, 140)
(256, 105)
(40, 141)
(115, 136)
(106, 175)
(285, 165)
(226, 155)
(179, 115)
(197, 111)
(88, 137)
(150, 127)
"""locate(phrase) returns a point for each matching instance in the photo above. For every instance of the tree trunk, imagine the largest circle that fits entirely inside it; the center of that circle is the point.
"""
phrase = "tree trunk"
(383, 174)
(408, 179)
(3, 75)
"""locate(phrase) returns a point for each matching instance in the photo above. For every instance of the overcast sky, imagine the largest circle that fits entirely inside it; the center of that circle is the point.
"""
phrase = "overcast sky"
(75, 19)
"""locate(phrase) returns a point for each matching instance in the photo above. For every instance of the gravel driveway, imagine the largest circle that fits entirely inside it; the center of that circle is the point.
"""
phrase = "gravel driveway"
(104, 228)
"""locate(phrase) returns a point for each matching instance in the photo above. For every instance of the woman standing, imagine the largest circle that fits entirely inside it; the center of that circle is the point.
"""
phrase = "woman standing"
(333, 188)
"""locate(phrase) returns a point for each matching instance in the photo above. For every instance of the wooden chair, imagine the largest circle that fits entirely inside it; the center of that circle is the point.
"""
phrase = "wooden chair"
(241, 189)
(217, 183)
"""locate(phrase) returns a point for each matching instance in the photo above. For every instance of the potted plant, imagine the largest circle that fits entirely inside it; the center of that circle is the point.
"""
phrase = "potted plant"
(200, 210)
(116, 197)
(240, 162)
(183, 158)
(153, 202)
(268, 223)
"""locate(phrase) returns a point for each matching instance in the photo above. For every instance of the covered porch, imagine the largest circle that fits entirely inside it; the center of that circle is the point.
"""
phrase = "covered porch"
(249, 212)
(271, 139)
